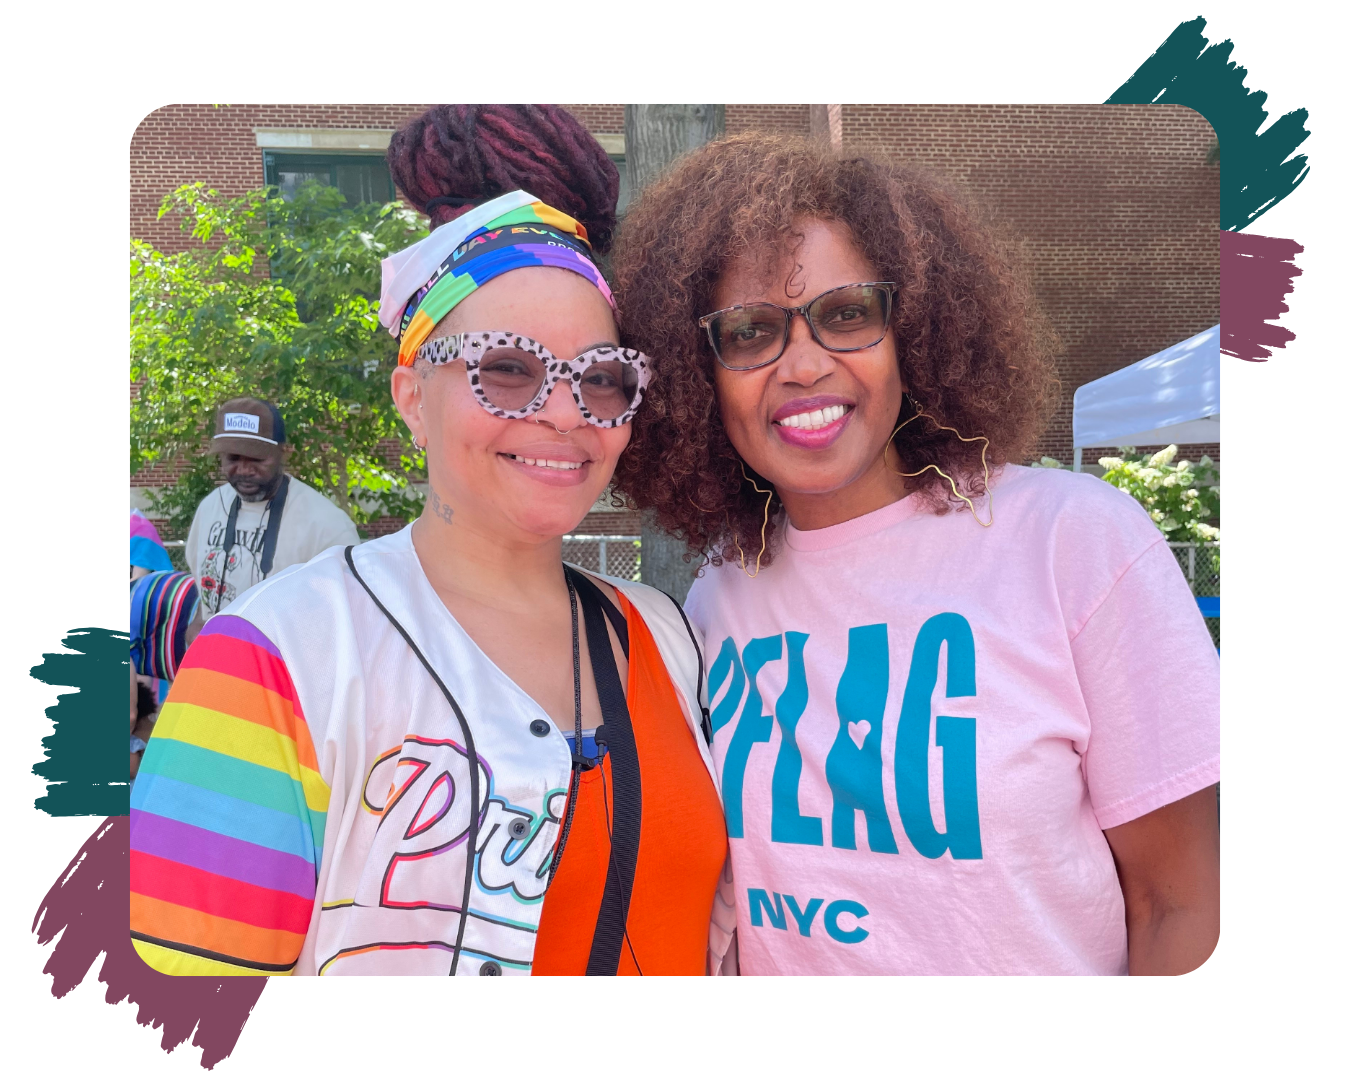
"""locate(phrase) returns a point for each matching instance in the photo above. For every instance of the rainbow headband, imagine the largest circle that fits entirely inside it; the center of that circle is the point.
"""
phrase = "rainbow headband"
(422, 283)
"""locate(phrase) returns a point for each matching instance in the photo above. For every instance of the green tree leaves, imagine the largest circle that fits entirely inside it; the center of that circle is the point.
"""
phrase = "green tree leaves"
(279, 300)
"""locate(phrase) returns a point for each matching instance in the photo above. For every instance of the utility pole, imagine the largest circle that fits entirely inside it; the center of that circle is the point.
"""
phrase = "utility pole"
(654, 136)
(827, 124)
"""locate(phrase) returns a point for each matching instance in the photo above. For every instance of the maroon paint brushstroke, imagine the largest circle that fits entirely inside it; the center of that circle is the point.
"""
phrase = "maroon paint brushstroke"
(1256, 273)
(90, 903)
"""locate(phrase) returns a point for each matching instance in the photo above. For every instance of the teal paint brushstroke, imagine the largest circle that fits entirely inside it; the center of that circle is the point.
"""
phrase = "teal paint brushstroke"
(86, 765)
(1257, 170)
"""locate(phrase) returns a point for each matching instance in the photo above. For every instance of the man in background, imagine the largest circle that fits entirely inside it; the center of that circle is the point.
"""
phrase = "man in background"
(261, 520)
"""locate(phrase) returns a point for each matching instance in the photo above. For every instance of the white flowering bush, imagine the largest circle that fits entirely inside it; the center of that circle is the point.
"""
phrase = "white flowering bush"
(1182, 498)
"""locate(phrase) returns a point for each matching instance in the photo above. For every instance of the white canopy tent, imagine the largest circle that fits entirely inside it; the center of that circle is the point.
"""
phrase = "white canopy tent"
(1169, 397)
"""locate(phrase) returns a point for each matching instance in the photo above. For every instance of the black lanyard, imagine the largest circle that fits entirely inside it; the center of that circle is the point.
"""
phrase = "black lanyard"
(580, 762)
(275, 505)
(611, 925)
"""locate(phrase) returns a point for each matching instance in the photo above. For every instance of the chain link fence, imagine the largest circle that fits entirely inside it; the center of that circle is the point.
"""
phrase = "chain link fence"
(177, 554)
(621, 557)
(618, 556)
(1200, 564)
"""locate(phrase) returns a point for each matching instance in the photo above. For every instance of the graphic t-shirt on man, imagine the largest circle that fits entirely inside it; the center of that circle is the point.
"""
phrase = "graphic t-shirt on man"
(309, 524)
(922, 727)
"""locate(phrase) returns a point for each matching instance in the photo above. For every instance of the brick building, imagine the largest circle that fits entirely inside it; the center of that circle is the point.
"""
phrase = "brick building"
(1117, 205)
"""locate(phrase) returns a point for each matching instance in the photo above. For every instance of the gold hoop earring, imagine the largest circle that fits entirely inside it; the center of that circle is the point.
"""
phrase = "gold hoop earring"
(763, 532)
(734, 539)
(984, 462)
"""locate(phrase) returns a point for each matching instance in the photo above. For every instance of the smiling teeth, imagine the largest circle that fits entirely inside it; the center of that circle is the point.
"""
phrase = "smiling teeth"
(810, 421)
(542, 463)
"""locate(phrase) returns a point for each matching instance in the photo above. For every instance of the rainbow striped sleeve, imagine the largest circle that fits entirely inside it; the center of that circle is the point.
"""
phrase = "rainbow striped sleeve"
(227, 814)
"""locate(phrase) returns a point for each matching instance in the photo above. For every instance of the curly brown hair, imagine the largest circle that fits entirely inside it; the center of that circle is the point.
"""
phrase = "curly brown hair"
(974, 347)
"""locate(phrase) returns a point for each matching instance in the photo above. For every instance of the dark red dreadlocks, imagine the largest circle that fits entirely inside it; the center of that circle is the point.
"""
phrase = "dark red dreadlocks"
(477, 152)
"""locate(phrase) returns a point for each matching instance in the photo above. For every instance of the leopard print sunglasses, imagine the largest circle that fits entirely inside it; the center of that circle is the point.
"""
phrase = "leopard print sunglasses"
(512, 375)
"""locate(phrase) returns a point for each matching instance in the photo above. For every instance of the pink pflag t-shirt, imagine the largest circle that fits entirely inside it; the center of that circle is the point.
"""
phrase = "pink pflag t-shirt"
(922, 727)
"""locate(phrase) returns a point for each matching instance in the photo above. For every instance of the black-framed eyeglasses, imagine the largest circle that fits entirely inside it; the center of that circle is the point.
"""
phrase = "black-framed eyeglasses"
(844, 319)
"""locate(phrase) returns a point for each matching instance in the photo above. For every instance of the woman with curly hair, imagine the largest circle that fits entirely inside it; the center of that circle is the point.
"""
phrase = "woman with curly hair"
(965, 712)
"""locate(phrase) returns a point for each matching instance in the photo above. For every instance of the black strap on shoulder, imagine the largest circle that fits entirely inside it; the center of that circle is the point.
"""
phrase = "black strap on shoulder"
(470, 749)
(616, 618)
(227, 543)
(230, 521)
(612, 612)
(707, 722)
(275, 506)
(611, 924)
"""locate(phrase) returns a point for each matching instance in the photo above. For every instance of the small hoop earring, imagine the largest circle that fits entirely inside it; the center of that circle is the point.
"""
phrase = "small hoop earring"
(420, 446)
(763, 532)
(984, 462)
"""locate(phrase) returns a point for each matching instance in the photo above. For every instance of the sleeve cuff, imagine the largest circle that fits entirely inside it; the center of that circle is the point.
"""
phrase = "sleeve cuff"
(1169, 791)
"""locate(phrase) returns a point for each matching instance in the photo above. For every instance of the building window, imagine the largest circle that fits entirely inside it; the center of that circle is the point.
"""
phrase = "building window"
(360, 177)
(365, 177)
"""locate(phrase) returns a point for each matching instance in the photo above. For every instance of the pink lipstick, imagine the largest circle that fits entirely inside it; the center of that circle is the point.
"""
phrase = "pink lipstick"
(813, 423)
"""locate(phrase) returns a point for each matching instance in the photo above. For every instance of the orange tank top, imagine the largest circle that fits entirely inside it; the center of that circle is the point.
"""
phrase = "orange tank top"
(681, 848)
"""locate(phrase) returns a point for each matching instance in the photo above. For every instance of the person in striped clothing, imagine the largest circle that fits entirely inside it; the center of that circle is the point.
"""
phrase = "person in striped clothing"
(165, 618)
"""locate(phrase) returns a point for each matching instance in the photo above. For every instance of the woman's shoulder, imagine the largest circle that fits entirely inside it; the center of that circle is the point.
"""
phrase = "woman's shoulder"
(1084, 531)
(608, 586)
(316, 595)
(676, 637)
(1058, 499)
(654, 605)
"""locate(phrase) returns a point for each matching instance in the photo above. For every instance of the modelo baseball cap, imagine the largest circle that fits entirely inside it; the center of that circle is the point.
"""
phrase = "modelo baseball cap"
(249, 427)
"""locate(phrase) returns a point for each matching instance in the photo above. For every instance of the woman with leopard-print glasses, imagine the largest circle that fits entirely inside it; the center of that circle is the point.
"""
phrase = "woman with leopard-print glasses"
(445, 751)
